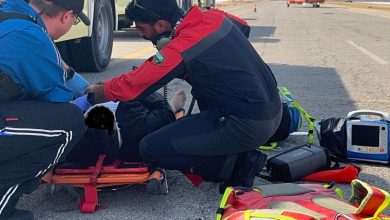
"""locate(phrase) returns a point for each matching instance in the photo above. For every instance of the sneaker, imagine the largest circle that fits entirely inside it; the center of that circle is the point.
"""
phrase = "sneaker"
(247, 166)
(20, 214)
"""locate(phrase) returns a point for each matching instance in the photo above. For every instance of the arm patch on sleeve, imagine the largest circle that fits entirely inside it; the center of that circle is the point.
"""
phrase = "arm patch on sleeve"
(159, 57)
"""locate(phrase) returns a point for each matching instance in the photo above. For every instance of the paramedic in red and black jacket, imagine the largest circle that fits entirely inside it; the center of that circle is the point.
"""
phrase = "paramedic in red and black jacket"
(236, 92)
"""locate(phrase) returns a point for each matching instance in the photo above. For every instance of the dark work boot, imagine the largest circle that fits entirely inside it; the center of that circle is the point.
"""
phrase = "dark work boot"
(247, 166)
(19, 214)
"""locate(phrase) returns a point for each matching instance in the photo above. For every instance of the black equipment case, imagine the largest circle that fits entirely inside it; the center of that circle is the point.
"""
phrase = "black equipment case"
(298, 162)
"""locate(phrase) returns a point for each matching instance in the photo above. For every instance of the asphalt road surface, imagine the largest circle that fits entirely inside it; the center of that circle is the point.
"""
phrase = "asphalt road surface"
(333, 59)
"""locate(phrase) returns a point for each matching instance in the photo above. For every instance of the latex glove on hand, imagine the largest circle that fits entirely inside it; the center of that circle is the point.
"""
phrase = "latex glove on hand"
(82, 103)
(77, 84)
(98, 90)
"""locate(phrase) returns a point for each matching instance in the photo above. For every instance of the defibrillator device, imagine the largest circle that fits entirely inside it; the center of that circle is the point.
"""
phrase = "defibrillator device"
(359, 136)
(368, 139)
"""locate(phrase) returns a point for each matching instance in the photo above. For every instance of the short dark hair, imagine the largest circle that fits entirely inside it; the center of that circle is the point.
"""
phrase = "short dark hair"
(150, 11)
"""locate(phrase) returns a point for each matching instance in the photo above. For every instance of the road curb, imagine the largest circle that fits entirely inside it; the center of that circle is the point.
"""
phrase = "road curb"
(226, 4)
(360, 5)
(231, 3)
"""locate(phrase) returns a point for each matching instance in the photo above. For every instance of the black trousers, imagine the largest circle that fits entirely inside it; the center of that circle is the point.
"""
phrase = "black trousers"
(138, 118)
(204, 143)
(34, 137)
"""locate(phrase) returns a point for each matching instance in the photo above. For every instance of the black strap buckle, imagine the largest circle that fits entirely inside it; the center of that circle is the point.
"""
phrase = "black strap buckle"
(9, 90)
(15, 15)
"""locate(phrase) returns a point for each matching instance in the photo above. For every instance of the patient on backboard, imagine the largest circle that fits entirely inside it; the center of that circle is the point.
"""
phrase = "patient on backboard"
(116, 128)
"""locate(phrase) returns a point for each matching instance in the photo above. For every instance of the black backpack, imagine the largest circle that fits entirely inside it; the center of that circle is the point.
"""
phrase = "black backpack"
(333, 136)
(9, 90)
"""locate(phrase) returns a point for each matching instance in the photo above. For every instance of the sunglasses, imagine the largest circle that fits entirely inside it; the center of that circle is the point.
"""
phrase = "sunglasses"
(136, 5)
(77, 20)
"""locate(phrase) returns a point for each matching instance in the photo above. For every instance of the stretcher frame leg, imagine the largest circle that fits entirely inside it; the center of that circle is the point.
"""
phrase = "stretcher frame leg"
(156, 183)
(89, 203)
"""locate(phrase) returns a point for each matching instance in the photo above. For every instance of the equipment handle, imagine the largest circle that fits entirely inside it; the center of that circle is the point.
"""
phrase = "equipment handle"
(383, 115)
(339, 215)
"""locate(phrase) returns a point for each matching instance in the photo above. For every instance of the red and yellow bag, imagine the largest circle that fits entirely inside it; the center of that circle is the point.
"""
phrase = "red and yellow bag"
(288, 201)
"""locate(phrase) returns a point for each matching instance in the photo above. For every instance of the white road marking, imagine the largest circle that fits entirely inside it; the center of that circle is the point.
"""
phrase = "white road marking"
(368, 53)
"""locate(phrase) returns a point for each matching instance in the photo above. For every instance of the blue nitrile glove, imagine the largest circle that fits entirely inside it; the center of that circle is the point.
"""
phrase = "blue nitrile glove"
(82, 103)
(77, 84)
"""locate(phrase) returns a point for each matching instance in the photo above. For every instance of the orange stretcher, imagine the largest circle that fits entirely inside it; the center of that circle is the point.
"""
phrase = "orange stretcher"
(115, 174)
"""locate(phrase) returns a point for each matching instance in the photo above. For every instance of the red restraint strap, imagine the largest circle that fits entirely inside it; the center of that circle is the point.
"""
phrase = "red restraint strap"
(89, 203)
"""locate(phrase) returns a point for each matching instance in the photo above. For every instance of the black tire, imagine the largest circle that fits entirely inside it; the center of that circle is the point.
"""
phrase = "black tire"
(124, 22)
(92, 54)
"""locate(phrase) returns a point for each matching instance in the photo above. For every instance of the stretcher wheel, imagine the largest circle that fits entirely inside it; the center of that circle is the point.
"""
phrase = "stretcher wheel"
(158, 186)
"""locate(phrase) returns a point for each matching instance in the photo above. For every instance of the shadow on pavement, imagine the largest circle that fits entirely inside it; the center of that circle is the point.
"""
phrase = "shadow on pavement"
(318, 89)
(263, 34)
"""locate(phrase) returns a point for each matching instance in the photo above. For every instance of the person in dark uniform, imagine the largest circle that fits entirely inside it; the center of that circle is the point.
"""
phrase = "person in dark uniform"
(236, 92)
(38, 124)
(138, 118)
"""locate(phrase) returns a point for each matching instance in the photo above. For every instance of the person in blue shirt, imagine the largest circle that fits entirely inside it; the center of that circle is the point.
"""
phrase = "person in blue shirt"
(38, 124)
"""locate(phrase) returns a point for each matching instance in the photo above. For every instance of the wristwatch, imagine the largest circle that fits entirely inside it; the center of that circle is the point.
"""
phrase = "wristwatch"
(91, 98)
